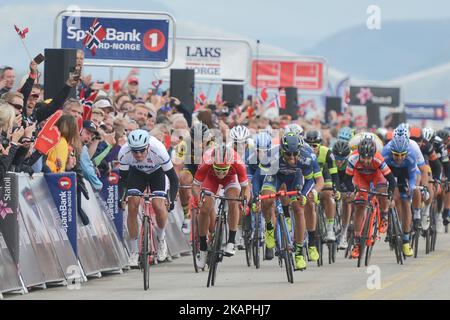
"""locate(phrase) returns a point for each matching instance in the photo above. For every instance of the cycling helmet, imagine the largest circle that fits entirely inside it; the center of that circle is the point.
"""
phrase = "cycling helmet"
(345, 133)
(402, 130)
(381, 133)
(443, 134)
(222, 156)
(138, 139)
(313, 136)
(415, 133)
(341, 149)
(399, 144)
(263, 141)
(239, 134)
(291, 143)
(367, 148)
(389, 136)
(428, 134)
(295, 129)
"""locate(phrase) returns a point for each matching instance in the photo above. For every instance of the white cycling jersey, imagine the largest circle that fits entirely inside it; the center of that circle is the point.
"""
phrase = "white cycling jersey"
(157, 157)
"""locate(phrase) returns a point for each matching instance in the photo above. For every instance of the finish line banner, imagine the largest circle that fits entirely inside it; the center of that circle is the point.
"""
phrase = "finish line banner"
(423, 111)
(63, 186)
(128, 39)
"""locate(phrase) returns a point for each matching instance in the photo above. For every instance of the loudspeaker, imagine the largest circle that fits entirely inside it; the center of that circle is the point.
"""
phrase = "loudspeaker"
(332, 104)
(58, 64)
(291, 103)
(233, 94)
(182, 84)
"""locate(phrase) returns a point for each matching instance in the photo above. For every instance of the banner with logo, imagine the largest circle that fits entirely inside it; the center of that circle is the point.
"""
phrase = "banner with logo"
(113, 38)
(307, 74)
(110, 199)
(62, 187)
(426, 111)
(374, 96)
(9, 275)
(9, 210)
(213, 60)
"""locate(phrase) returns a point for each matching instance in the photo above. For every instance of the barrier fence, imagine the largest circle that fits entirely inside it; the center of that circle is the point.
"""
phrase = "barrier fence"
(44, 243)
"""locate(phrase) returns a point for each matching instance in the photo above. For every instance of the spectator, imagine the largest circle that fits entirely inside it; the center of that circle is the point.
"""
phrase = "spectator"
(104, 103)
(97, 116)
(7, 79)
(74, 108)
(140, 114)
(133, 88)
(15, 100)
(88, 132)
(58, 157)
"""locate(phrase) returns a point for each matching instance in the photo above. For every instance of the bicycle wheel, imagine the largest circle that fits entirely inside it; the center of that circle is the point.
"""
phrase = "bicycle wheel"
(247, 235)
(415, 242)
(396, 234)
(256, 241)
(432, 228)
(286, 253)
(215, 251)
(365, 236)
(369, 249)
(350, 240)
(144, 252)
(194, 239)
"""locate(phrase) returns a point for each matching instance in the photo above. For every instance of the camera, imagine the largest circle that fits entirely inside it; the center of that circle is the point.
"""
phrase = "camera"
(4, 141)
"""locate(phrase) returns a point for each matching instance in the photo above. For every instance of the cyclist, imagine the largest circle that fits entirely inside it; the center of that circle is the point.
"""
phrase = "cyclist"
(295, 129)
(221, 166)
(341, 151)
(188, 156)
(144, 162)
(366, 166)
(356, 139)
(401, 159)
(345, 133)
(327, 165)
(297, 166)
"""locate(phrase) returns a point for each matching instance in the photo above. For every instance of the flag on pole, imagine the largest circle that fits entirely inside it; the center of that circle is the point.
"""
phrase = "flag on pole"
(87, 103)
(94, 36)
(21, 33)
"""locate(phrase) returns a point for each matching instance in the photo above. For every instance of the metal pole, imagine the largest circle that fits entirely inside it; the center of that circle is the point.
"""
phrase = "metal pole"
(257, 68)
(111, 81)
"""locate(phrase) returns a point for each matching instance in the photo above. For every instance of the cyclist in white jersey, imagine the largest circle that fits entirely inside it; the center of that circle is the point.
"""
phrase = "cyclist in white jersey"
(145, 162)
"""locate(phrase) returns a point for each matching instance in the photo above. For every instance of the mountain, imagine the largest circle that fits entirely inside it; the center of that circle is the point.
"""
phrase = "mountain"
(397, 49)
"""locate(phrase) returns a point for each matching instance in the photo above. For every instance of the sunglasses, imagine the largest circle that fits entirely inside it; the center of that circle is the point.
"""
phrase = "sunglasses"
(314, 145)
(221, 170)
(138, 151)
(16, 106)
(366, 157)
(291, 154)
(399, 154)
(340, 158)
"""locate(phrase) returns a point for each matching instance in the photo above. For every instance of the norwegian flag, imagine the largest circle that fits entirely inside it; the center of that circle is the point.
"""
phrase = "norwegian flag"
(21, 33)
(263, 96)
(116, 86)
(94, 36)
(201, 97)
(87, 103)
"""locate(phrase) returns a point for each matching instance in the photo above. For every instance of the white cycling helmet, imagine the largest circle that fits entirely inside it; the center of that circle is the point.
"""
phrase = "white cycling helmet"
(138, 139)
(428, 134)
(239, 134)
(295, 129)
(402, 130)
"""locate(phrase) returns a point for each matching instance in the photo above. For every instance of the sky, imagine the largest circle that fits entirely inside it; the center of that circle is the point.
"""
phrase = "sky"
(277, 22)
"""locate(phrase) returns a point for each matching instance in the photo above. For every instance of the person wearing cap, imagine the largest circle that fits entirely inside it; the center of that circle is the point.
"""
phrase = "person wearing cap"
(133, 87)
(104, 104)
(87, 134)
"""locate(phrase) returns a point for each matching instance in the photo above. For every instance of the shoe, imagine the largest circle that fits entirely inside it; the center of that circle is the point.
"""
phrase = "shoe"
(300, 263)
(343, 244)
(241, 244)
(289, 224)
(229, 250)
(313, 254)
(201, 259)
(270, 239)
(162, 250)
(186, 226)
(269, 254)
(407, 251)
(133, 261)
(355, 251)
(384, 225)
(331, 236)
(417, 224)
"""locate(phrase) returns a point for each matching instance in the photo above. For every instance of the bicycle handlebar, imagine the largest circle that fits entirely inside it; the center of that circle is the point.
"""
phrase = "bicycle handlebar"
(374, 193)
(204, 193)
(138, 193)
(279, 194)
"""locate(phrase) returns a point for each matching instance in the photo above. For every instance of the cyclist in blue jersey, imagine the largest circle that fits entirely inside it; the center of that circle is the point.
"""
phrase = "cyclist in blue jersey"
(402, 160)
(297, 166)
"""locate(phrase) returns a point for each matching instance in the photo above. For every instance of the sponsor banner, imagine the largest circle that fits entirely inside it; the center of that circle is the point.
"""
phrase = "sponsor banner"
(374, 96)
(307, 74)
(110, 198)
(424, 111)
(62, 187)
(9, 275)
(119, 38)
(9, 211)
(213, 60)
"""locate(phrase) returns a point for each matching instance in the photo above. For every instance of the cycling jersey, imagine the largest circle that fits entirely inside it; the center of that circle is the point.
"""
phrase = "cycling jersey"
(355, 140)
(378, 163)
(327, 165)
(409, 163)
(157, 157)
(441, 151)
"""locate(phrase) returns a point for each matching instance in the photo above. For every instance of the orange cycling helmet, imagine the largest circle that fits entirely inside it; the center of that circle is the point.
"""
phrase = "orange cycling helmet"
(415, 133)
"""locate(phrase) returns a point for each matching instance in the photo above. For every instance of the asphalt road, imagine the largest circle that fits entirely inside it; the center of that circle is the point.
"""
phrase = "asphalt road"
(427, 277)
